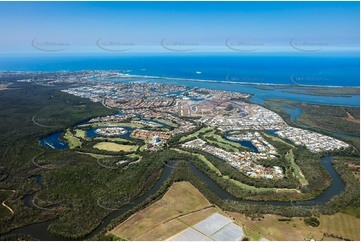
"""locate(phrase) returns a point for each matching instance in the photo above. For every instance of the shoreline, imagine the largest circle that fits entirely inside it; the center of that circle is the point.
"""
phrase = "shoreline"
(188, 79)
(230, 82)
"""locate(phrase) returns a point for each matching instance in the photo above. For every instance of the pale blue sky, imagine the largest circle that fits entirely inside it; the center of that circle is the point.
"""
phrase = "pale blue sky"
(204, 26)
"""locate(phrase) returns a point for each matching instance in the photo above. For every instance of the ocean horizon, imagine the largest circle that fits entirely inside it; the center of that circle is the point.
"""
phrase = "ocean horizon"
(310, 70)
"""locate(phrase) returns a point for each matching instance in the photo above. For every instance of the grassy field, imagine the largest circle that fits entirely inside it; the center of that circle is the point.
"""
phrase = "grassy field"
(214, 139)
(143, 147)
(166, 217)
(274, 138)
(167, 122)
(133, 155)
(195, 134)
(72, 140)
(222, 143)
(110, 146)
(271, 228)
(79, 133)
(113, 139)
(297, 171)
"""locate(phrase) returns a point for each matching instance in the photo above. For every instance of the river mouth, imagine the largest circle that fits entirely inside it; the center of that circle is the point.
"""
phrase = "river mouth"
(40, 230)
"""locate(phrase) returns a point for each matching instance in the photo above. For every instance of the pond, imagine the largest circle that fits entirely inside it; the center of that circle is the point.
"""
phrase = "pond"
(53, 141)
(245, 143)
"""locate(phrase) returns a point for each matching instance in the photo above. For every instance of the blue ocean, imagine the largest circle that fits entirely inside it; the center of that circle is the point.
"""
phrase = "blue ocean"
(302, 69)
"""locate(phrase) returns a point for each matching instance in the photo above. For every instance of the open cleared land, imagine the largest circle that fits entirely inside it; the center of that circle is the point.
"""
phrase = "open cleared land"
(351, 118)
(215, 227)
(173, 214)
(180, 206)
(270, 227)
(110, 146)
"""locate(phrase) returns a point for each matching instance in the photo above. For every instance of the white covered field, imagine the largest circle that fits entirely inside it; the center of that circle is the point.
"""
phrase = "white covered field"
(216, 227)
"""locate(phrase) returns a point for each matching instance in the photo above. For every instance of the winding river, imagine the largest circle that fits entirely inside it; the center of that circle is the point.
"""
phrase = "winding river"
(40, 230)
(294, 112)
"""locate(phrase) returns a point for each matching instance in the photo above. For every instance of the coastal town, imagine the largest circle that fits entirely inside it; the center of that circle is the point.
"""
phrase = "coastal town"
(180, 120)
(244, 147)
(315, 142)
(155, 112)
(160, 111)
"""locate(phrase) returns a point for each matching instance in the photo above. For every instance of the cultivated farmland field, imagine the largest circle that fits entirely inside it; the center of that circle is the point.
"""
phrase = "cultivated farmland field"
(180, 206)
(184, 206)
